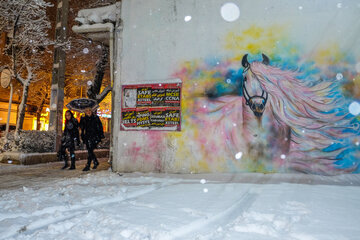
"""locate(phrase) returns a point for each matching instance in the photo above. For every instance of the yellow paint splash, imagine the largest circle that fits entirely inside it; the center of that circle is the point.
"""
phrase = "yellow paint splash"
(254, 40)
(329, 55)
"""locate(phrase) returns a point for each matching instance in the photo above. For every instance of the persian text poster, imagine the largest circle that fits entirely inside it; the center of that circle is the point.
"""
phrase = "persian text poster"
(153, 106)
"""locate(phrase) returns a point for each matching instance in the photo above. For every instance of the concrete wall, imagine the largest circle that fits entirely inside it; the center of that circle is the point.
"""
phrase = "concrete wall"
(313, 46)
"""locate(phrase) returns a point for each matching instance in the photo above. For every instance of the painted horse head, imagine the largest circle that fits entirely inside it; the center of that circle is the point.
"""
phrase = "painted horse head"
(255, 96)
(300, 128)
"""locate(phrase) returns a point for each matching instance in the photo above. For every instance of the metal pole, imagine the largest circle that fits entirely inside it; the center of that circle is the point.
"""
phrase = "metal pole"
(9, 112)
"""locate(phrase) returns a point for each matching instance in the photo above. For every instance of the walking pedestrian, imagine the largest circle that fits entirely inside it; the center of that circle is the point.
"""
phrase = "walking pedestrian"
(69, 137)
(91, 134)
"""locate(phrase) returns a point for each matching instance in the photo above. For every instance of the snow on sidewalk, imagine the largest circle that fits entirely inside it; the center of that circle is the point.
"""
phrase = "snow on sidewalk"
(106, 205)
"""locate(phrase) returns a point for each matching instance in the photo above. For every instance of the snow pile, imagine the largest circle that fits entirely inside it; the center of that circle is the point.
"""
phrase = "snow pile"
(29, 142)
(105, 205)
(97, 15)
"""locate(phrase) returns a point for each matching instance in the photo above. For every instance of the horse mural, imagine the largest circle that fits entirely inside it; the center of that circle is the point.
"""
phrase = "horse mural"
(279, 117)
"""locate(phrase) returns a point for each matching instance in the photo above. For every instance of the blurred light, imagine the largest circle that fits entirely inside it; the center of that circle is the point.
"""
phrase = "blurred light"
(283, 156)
(83, 71)
(105, 115)
(187, 18)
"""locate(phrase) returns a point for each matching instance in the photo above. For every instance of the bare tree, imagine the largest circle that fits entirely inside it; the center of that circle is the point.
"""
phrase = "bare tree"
(94, 89)
(97, 60)
(26, 24)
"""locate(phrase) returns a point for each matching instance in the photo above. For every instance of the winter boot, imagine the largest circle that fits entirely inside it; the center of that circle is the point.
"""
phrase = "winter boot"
(96, 163)
(87, 167)
(72, 167)
(66, 163)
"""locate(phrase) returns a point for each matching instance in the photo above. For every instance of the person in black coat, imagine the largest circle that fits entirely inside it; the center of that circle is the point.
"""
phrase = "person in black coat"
(69, 137)
(91, 134)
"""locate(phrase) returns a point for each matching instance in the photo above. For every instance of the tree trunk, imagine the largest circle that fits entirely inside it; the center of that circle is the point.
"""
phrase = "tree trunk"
(38, 124)
(38, 112)
(22, 107)
(100, 71)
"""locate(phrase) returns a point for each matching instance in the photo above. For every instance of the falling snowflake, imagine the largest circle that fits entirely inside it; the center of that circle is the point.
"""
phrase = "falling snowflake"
(354, 108)
(230, 12)
(86, 50)
(339, 76)
(202, 181)
(187, 18)
(238, 155)
(357, 67)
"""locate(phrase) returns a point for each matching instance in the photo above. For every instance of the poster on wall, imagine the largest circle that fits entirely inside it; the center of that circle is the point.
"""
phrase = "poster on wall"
(151, 106)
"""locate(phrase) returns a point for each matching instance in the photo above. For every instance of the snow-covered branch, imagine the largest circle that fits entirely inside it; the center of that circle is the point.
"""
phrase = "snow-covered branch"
(26, 25)
(103, 94)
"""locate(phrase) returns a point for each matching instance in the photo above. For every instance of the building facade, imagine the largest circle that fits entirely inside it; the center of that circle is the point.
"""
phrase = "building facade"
(265, 86)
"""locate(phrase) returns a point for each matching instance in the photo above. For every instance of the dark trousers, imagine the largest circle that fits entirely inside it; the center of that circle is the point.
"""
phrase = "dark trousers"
(90, 146)
(63, 155)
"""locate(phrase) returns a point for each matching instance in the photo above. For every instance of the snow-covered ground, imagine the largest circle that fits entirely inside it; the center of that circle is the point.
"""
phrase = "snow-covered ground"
(107, 205)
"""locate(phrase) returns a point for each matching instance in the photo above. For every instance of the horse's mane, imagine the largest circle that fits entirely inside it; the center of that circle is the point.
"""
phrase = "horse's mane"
(308, 109)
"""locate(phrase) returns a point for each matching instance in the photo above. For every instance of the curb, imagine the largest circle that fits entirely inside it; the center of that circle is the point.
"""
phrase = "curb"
(21, 158)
